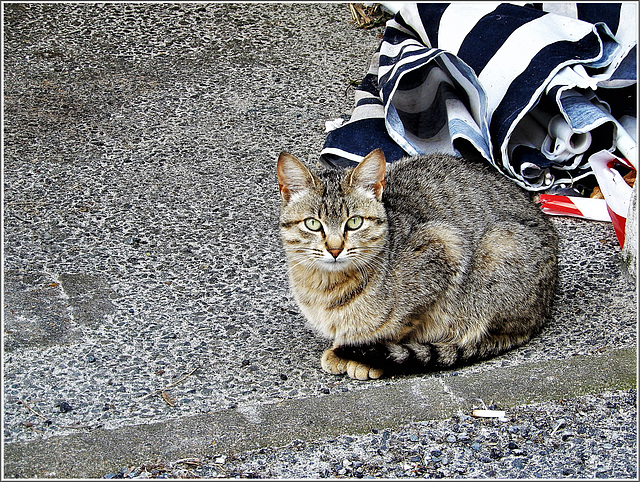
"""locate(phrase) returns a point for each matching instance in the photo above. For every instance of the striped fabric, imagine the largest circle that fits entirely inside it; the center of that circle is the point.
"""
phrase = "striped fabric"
(489, 78)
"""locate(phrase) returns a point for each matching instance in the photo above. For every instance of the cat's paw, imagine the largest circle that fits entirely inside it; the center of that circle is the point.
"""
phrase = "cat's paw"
(336, 365)
(332, 363)
(360, 371)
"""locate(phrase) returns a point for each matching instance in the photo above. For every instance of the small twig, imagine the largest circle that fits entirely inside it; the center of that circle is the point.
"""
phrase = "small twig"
(354, 14)
(81, 427)
(561, 424)
(160, 390)
(38, 414)
(188, 461)
(15, 203)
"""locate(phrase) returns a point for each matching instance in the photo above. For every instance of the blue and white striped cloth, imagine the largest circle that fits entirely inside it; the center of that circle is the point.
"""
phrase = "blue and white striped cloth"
(490, 76)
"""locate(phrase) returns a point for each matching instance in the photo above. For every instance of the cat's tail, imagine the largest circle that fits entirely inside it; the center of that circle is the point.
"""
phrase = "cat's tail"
(414, 357)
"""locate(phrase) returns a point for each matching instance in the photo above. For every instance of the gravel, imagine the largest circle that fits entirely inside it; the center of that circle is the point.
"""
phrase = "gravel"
(593, 436)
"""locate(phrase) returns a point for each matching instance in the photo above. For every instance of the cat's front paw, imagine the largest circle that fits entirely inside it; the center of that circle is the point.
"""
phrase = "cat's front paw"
(360, 371)
(336, 365)
(332, 363)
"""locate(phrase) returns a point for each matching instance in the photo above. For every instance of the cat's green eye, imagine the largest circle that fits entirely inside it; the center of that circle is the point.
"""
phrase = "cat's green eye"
(354, 222)
(313, 224)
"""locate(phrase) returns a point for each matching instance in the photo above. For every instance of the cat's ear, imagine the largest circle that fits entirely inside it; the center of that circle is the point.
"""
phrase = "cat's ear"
(369, 174)
(293, 176)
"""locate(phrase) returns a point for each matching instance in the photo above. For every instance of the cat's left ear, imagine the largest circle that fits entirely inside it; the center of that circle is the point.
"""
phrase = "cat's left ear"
(293, 176)
(369, 174)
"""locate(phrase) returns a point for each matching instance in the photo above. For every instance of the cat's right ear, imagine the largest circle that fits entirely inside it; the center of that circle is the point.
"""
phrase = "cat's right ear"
(369, 174)
(293, 176)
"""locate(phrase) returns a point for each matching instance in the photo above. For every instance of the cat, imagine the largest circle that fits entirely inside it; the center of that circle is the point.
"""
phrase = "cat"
(430, 263)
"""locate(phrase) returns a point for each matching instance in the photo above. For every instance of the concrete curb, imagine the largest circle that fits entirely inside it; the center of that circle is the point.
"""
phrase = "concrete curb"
(249, 427)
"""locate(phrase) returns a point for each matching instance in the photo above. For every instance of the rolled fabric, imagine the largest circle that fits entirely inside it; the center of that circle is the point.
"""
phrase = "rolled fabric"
(574, 143)
(561, 142)
(448, 76)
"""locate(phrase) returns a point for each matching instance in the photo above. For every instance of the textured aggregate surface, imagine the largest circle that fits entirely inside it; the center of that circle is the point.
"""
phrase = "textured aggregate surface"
(141, 202)
(141, 206)
(590, 437)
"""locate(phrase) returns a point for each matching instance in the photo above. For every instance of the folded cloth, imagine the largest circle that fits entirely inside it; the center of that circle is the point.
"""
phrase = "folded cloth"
(449, 76)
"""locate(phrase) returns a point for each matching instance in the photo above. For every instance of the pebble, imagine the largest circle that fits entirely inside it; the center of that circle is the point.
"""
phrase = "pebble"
(64, 407)
(566, 436)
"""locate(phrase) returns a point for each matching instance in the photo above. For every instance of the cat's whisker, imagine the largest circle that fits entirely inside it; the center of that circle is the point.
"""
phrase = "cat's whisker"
(306, 262)
(366, 260)
(295, 264)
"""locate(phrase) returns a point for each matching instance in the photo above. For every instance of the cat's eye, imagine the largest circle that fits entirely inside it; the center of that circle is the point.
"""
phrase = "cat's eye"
(313, 224)
(354, 222)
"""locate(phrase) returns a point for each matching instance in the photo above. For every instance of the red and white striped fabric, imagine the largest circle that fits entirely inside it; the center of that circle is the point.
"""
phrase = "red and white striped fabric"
(579, 207)
(617, 193)
(617, 196)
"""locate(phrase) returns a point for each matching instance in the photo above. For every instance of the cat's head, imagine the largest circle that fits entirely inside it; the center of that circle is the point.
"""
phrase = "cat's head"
(332, 220)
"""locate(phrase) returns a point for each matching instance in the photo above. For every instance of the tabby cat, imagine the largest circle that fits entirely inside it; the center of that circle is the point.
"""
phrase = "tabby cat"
(438, 263)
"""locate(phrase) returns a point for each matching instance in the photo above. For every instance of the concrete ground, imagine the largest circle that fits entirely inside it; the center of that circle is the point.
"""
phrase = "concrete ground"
(146, 309)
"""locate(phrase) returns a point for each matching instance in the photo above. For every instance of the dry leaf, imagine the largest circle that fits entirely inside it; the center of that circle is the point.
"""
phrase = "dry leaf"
(630, 177)
(596, 193)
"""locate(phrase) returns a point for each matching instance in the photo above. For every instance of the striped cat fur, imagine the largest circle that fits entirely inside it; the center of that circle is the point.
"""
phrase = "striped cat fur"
(428, 263)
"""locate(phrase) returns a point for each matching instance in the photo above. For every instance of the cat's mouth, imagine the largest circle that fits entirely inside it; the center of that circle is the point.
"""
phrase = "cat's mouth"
(334, 264)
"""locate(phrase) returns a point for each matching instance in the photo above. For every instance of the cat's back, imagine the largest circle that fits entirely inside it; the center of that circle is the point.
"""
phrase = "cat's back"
(454, 190)
(474, 232)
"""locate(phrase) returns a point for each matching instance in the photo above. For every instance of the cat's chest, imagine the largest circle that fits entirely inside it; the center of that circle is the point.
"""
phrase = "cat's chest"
(347, 312)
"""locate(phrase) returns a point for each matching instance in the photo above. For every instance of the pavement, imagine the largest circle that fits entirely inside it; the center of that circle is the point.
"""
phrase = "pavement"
(147, 315)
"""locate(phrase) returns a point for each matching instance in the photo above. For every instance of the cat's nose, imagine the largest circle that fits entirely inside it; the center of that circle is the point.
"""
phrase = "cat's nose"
(335, 252)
